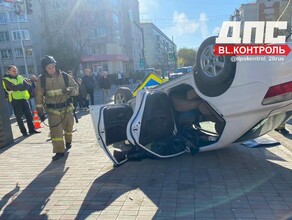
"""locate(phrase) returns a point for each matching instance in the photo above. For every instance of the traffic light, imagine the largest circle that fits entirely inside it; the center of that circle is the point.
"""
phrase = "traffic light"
(28, 5)
(141, 62)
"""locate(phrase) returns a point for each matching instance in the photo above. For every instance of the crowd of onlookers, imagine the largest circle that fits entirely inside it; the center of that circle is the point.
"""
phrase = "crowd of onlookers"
(88, 83)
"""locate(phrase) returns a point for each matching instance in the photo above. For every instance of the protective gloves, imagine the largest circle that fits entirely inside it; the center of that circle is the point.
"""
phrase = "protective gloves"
(66, 91)
(41, 114)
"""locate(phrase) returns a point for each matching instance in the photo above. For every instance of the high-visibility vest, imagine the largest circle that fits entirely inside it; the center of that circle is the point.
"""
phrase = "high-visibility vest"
(17, 95)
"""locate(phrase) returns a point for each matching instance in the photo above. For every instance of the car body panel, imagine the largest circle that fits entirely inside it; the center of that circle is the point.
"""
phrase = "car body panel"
(240, 106)
(135, 128)
(98, 113)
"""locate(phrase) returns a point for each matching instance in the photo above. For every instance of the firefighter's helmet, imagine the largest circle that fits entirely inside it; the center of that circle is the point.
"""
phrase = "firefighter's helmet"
(46, 60)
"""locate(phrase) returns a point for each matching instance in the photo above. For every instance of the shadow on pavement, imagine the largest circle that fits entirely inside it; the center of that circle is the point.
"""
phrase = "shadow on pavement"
(15, 141)
(9, 196)
(233, 183)
(30, 202)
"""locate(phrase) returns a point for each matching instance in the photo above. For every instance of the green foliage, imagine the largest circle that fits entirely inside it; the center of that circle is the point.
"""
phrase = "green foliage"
(186, 57)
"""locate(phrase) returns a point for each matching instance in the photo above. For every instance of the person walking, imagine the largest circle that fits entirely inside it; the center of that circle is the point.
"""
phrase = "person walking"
(82, 94)
(105, 86)
(54, 90)
(89, 83)
(17, 88)
(31, 90)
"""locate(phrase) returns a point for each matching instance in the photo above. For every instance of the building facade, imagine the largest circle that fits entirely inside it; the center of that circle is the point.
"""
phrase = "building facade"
(19, 33)
(108, 37)
(158, 48)
(264, 10)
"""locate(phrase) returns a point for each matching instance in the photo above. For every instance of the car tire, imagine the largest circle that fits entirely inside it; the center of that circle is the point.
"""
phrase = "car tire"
(213, 74)
(122, 95)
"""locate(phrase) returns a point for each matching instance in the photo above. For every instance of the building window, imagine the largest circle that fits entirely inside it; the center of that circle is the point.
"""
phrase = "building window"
(57, 4)
(114, 3)
(3, 18)
(59, 21)
(16, 35)
(98, 32)
(6, 53)
(18, 52)
(4, 36)
(117, 34)
(98, 49)
(99, 16)
(30, 69)
(115, 18)
(14, 18)
(28, 52)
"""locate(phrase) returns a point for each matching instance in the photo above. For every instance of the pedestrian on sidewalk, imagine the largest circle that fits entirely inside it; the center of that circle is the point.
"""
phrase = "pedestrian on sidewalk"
(89, 83)
(54, 90)
(105, 85)
(31, 90)
(17, 88)
(82, 94)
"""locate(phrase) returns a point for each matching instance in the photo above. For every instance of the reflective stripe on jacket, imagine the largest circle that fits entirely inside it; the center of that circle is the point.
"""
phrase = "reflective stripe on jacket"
(16, 95)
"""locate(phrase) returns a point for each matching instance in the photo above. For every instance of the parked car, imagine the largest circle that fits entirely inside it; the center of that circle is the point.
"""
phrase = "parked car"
(249, 99)
(180, 71)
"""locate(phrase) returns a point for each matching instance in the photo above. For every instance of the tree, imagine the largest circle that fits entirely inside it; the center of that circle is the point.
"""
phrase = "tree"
(186, 57)
(77, 22)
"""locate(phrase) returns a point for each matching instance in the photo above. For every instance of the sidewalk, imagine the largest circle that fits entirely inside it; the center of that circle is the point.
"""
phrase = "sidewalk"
(232, 183)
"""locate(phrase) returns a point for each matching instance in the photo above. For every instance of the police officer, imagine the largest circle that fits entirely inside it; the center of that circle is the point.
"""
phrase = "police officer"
(17, 88)
(54, 88)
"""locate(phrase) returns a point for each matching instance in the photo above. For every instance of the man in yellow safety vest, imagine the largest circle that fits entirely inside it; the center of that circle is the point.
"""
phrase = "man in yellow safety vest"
(17, 88)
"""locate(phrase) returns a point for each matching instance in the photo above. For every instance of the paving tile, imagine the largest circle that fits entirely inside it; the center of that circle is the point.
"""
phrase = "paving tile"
(232, 183)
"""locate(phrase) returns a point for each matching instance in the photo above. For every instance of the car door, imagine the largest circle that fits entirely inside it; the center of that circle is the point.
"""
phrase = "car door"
(153, 122)
(110, 124)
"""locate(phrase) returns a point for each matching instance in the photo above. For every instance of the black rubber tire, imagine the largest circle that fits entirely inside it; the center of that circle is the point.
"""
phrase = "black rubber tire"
(213, 74)
(122, 95)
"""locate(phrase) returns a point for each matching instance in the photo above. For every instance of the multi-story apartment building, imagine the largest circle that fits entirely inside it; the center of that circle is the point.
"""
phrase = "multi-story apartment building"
(17, 34)
(264, 10)
(108, 37)
(157, 48)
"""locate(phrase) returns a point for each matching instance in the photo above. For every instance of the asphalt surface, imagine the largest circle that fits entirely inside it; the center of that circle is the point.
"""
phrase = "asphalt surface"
(232, 183)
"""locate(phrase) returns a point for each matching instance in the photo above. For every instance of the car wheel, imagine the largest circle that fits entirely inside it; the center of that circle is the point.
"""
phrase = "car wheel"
(122, 95)
(213, 74)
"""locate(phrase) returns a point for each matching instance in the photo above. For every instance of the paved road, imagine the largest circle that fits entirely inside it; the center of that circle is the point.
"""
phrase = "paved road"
(233, 183)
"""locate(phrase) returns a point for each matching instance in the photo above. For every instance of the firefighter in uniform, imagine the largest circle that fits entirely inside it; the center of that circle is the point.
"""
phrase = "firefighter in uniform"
(17, 87)
(53, 94)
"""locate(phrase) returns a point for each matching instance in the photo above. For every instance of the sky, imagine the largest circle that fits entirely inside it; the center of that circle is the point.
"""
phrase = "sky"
(188, 22)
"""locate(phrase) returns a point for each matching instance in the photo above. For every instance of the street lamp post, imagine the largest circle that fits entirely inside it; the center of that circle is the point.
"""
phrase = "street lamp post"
(22, 46)
(20, 9)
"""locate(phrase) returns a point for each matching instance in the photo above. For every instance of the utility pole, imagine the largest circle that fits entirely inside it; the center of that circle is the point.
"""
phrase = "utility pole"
(22, 46)
(21, 10)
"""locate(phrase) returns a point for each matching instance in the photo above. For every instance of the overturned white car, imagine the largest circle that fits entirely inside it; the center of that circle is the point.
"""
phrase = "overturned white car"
(245, 99)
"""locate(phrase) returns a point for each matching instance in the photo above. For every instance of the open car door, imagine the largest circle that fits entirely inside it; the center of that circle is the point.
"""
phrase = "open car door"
(152, 121)
(110, 124)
